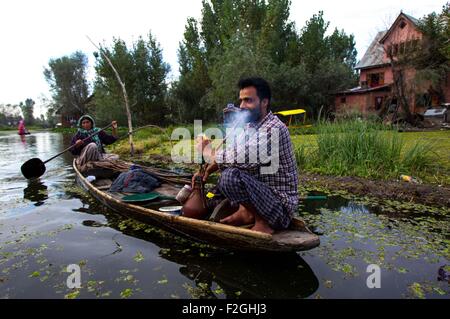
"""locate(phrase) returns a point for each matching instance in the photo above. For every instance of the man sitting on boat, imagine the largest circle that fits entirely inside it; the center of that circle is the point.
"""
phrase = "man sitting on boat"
(269, 200)
(92, 149)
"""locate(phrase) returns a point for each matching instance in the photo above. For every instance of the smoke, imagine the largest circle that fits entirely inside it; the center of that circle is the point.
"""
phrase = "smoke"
(237, 117)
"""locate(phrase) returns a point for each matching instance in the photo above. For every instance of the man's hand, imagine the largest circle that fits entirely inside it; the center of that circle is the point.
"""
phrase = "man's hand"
(211, 168)
(202, 142)
(203, 145)
(205, 177)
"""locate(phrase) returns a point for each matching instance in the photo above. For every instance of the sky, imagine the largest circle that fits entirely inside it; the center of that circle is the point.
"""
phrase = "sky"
(33, 32)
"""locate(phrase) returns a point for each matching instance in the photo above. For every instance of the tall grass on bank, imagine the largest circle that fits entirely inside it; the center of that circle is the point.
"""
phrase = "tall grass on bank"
(364, 148)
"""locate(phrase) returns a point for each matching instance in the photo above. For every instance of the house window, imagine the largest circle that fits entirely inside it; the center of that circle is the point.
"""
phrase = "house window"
(343, 100)
(375, 79)
(402, 24)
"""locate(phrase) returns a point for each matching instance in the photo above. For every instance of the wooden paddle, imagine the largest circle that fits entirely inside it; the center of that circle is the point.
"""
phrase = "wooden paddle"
(34, 167)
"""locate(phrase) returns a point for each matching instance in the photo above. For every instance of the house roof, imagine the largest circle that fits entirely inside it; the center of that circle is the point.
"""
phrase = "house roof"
(414, 21)
(359, 89)
(374, 54)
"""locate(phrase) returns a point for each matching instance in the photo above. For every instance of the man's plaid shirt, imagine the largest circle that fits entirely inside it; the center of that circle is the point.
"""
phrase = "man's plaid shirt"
(267, 144)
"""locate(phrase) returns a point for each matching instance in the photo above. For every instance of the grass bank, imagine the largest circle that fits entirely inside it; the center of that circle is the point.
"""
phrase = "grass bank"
(370, 150)
(350, 148)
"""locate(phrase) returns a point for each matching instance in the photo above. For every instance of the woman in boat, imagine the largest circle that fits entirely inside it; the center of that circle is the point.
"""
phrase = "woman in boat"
(92, 149)
(22, 129)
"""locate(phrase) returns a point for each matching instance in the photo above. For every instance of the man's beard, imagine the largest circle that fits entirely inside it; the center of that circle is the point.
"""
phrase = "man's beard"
(252, 115)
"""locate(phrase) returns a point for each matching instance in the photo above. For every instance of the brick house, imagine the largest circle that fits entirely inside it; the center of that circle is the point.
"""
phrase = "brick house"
(376, 76)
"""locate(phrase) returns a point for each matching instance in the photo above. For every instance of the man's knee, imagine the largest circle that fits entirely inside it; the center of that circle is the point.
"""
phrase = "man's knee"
(229, 178)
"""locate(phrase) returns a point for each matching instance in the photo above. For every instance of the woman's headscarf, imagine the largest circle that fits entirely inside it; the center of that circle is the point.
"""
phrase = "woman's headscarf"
(93, 129)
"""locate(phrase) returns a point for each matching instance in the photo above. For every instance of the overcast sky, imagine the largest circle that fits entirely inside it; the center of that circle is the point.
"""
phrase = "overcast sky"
(32, 32)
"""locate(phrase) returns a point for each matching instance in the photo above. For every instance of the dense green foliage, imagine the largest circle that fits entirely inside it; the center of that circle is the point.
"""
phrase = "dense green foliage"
(67, 77)
(432, 61)
(255, 38)
(232, 39)
(144, 73)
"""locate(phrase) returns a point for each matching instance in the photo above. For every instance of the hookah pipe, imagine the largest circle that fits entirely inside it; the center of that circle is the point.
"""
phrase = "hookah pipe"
(204, 166)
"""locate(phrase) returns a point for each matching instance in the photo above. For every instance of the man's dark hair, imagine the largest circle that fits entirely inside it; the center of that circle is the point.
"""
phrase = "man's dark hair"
(262, 87)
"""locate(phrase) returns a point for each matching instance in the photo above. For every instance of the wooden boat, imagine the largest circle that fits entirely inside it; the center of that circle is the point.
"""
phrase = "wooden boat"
(297, 237)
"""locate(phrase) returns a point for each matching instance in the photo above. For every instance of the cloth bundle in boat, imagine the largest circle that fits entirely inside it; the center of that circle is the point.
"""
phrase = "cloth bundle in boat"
(135, 181)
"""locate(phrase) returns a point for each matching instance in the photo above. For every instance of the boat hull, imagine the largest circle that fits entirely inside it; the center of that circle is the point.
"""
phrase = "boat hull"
(217, 234)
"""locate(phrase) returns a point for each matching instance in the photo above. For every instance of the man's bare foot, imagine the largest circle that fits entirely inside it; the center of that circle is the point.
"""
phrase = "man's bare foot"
(262, 226)
(242, 216)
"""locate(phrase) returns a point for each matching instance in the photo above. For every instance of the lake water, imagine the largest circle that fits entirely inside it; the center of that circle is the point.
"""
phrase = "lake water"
(50, 223)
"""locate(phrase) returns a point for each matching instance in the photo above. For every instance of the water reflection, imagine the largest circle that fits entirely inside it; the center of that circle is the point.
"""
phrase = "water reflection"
(36, 192)
(73, 227)
(252, 275)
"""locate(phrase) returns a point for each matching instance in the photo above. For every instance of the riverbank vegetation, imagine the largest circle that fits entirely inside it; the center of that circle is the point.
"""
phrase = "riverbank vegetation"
(349, 148)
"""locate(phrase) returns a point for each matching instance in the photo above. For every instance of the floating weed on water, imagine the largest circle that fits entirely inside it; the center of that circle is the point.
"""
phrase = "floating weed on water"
(439, 291)
(402, 270)
(95, 286)
(126, 293)
(347, 269)
(354, 233)
(219, 291)
(163, 281)
(127, 277)
(72, 295)
(138, 257)
(328, 284)
(164, 251)
(416, 290)
(34, 274)
(123, 225)
(201, 291)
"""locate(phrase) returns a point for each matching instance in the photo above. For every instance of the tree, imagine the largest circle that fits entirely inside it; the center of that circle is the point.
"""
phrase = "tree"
(432, 61)
(255, 37)
(108, 92)
(9, 114)
(158, 71)
(68, 82)
(144, 73)
(194, 80)
(327, 63)
(27, 111)
(342, 48)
